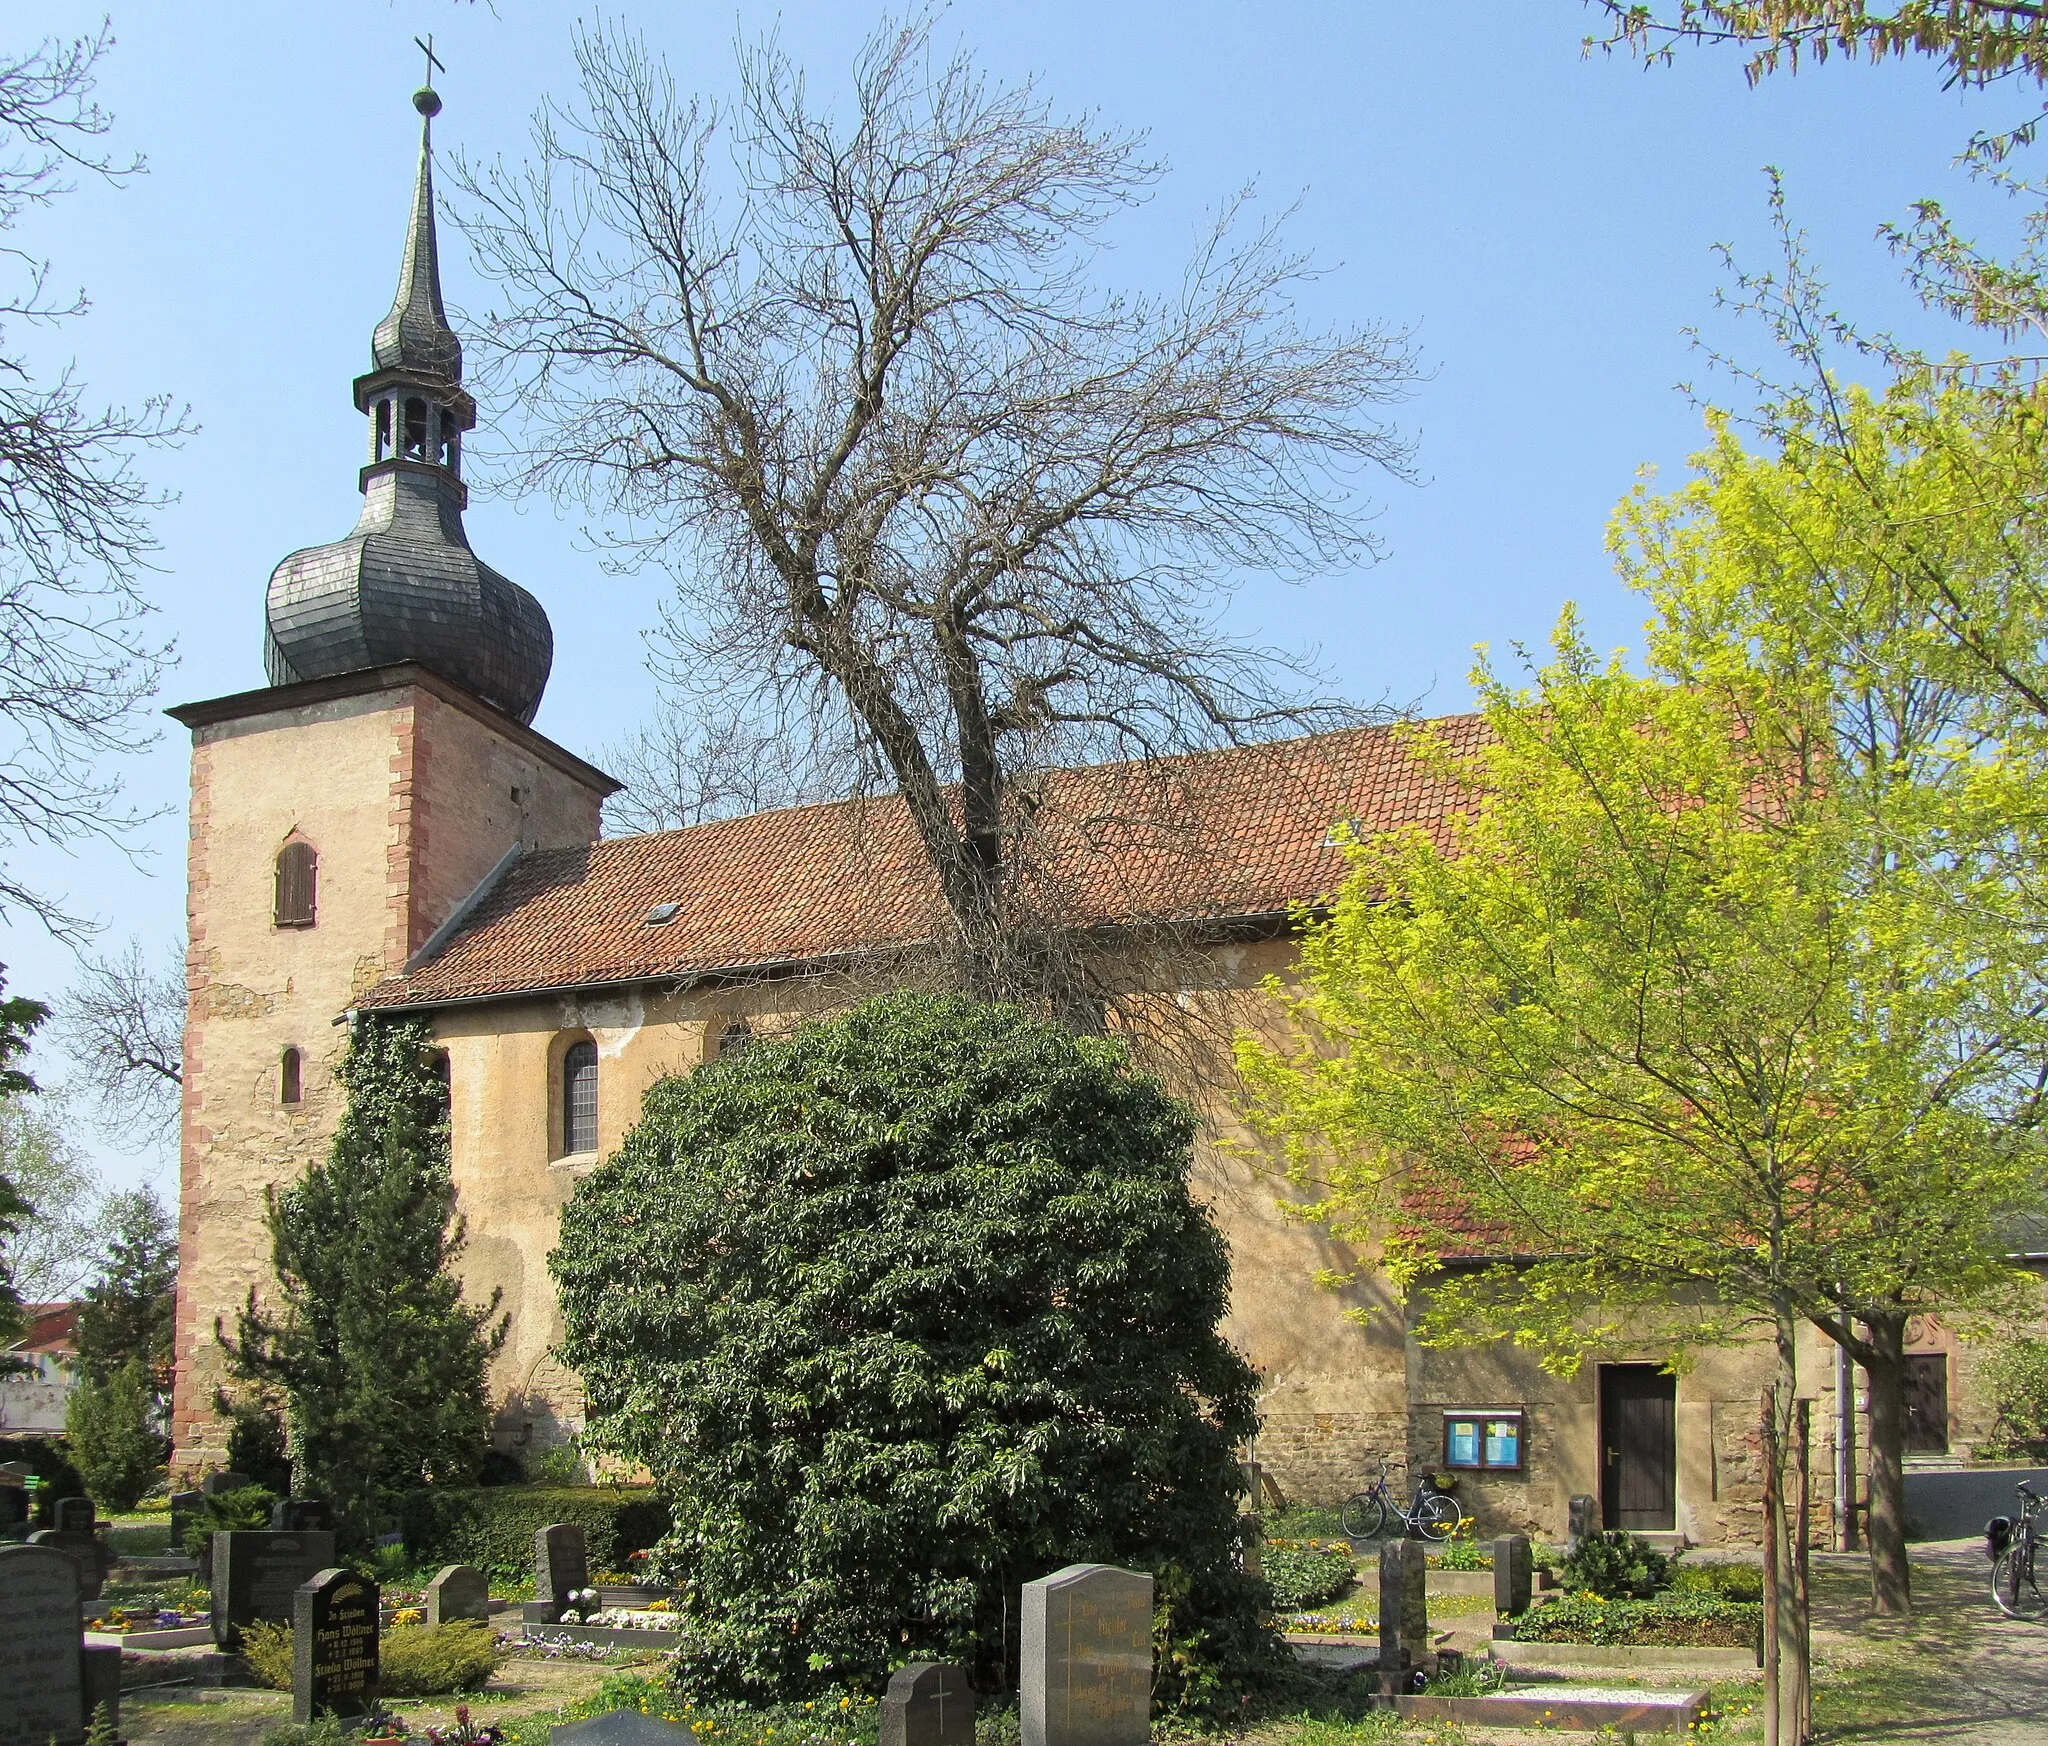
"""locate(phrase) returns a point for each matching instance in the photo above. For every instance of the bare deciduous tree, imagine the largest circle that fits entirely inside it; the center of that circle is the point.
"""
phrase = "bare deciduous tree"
(124, 1025)
(75, 664)
(939, 508)
(688, 765)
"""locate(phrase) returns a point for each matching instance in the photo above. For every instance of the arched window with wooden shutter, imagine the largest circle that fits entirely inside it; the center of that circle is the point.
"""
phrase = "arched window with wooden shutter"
(290, 1087)
(579, 1098)
(298, 875)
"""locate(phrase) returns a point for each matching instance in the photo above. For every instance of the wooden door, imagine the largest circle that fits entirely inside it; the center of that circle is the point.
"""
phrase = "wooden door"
(1638, 1448)
(1926, 1389)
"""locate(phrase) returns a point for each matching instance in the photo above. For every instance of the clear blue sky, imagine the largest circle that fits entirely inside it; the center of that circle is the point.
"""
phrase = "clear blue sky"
(1542, 220)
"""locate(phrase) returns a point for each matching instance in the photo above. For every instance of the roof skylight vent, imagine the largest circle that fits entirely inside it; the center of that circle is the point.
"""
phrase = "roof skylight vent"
(660, 913)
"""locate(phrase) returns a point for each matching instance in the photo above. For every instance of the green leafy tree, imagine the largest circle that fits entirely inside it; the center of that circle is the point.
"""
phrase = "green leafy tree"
(113, 1420)
(380, 1361)
(129, 1311)
(2016, 1376)
(903, 1310)
(1726, 1015)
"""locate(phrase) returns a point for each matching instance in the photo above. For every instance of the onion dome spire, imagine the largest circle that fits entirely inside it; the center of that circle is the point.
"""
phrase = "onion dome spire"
(416, 334)
(404, 586)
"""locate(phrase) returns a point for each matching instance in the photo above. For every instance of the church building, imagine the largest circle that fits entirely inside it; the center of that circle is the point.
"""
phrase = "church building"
(379, 828)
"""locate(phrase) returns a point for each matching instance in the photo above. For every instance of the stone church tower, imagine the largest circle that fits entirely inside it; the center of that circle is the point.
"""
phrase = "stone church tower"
(342, 815)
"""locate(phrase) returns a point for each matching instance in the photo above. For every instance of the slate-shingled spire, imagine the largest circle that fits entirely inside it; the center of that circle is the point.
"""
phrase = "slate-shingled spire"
(404, 586)
(416, 334)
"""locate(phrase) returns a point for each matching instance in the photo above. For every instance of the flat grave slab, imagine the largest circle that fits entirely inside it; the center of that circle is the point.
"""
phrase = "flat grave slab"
(178, 1637)
(620, 1728)
(1588, 1707)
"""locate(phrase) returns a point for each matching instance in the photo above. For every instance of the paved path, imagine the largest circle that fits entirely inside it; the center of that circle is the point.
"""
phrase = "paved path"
(1959, 1672)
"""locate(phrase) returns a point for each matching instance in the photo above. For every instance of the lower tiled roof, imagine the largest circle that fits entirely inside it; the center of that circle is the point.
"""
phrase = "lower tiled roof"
(1246, 833)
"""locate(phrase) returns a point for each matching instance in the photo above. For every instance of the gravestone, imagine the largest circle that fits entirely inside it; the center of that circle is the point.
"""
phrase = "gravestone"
(1582, 1521)
(1404, 1609)
(621, 1728)
(100, 1676)
(73, 1515)
(1514, 1574)
(216, 1483)
(560, 1568)
(458, 1592)
(256, 1576)
(184, 1507)
(928, 1703)
(88, 1551)
(41, 1678)
(301, 1515)
(334, 1646)
(13, 1505)
(1086, 1676)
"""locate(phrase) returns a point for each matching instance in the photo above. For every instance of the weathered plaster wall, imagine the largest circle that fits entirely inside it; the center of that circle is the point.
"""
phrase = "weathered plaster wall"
(408, 802)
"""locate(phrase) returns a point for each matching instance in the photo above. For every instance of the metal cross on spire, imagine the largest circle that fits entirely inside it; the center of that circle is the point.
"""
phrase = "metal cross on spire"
(433, 61)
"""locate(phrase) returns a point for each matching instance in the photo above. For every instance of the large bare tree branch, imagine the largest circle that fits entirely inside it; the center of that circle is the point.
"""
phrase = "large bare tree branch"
(940, 508)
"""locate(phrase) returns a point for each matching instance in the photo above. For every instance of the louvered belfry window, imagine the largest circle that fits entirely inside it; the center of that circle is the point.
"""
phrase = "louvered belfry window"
(579, 1098)
(298, 874)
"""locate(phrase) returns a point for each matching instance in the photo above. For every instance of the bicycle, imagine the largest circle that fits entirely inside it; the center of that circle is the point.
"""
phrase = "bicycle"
(1435, 1515)
(2012, 1545)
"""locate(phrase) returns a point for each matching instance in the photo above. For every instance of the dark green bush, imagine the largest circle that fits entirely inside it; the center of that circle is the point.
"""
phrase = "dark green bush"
(247, 1506)
(1736, 1582)
(111, 1420)
(426, 1660)
(1692, 1620)
(1615, 1565)
(904, 1310)
(49, 1459)
(492, 1527)
(1306, 1573)
(412, 1660)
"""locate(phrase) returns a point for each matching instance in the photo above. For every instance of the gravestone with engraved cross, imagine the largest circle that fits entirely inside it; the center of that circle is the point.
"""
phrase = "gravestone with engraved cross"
(41, 1669)
(334, 1646)
(1086, 1666)
(928, 1703)
(1404, 1609)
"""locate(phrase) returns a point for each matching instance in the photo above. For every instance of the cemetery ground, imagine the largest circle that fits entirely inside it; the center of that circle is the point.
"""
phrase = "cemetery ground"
(1957, 1673)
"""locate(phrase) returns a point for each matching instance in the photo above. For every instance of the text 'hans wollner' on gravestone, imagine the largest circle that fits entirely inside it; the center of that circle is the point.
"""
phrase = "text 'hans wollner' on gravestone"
(334, 1646)
(1086, 1668)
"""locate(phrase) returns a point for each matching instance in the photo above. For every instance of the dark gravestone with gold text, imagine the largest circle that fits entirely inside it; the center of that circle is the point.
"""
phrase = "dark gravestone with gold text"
(1086, 1668)
(40, 1668)
(334, 1646)
(256, 1575)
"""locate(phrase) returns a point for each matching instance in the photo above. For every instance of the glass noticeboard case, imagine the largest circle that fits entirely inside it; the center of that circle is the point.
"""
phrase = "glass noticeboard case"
(1484, 1440)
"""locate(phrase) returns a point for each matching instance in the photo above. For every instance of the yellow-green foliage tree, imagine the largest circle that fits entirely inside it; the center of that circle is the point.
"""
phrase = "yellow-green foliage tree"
(1725, 989)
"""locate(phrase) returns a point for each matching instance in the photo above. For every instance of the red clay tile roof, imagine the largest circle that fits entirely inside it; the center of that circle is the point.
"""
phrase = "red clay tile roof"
(812, 882)
(52, 1328)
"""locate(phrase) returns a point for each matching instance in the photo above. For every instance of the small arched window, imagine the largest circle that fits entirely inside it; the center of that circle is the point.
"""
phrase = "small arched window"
(735, 1037)
(298, 877)
(289, 1081)
(579, 1098)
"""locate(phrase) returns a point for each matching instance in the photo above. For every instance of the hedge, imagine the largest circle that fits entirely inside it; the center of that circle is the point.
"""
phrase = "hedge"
(1693, 1620)
(492, 1527)
(1305, 1573)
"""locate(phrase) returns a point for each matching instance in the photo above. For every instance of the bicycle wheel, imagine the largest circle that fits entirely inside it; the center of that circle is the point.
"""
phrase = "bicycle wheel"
(2012, 1583)
(1437, 1515)
(1365, 1516)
